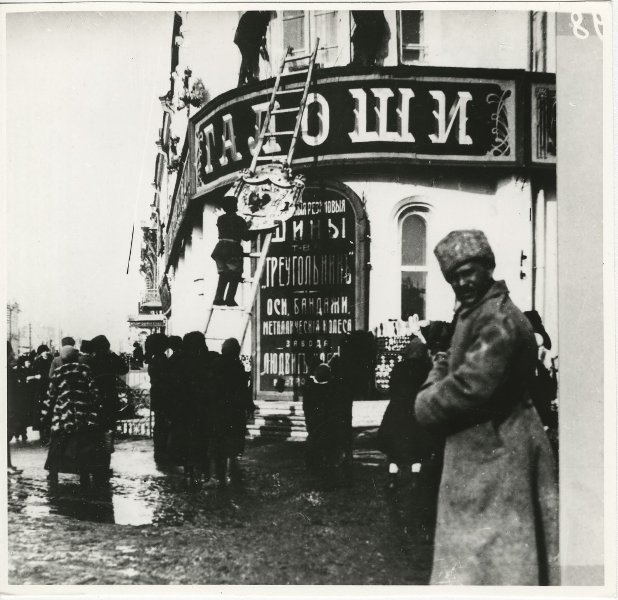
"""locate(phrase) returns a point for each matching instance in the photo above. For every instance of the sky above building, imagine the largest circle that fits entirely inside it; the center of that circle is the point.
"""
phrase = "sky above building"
(82, 118)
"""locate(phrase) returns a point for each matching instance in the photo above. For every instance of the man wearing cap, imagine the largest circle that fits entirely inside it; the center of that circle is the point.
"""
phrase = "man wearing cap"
(498, 503)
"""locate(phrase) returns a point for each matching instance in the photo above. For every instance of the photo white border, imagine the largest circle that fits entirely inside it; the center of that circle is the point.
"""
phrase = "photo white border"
(609, 277)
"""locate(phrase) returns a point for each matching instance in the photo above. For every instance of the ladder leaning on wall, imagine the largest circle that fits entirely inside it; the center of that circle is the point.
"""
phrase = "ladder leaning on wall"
(261, 157)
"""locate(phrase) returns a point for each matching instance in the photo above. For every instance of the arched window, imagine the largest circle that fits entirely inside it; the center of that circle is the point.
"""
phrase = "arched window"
(413, 228)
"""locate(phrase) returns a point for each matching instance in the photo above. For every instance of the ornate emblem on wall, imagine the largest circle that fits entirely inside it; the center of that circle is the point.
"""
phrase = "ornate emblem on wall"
(267, 196)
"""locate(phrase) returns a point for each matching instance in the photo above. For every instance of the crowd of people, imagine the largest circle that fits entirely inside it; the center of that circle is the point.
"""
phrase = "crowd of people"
(72, 399)
(201, 401)
(472, 407)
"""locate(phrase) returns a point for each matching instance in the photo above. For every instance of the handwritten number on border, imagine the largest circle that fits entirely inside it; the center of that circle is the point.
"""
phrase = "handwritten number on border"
(579, 31)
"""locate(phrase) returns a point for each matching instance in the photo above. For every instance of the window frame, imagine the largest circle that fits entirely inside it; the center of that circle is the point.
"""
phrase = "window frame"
(306, 25)
(422, 212)
(421, 46)
(342, 42)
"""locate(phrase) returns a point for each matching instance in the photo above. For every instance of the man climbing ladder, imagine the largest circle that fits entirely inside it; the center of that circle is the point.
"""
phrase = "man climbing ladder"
(266, 194)
(228, 252)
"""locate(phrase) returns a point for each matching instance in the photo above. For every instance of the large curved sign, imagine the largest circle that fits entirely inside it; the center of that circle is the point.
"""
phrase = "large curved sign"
(415, 117)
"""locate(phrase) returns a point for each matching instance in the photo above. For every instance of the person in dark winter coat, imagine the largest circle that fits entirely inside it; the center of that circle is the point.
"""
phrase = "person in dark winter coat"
(338, 410)
(42, 364)
(228, 252)
(158, 371)
(23, 409)
(200, 371)
(72, 411)
(106, 367)
(14, 390)
(544, 390)
(138, 355)
(370, 37)
(316, 400)
(400, 436)
(230, 408)
(497, 518)
(176, 442)
(250, 37)
(353, 378)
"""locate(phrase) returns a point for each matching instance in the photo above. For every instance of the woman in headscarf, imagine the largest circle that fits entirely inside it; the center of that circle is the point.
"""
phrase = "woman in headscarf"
(72, 410)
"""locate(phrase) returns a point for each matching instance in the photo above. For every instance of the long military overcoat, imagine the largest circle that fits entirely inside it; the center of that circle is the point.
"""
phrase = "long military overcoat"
(498, 503)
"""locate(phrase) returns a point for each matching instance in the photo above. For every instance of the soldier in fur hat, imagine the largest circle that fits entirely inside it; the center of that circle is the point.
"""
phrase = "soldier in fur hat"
(498, 503)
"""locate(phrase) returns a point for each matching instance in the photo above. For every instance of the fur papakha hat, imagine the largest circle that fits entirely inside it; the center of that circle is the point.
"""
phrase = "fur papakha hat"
(462, 246)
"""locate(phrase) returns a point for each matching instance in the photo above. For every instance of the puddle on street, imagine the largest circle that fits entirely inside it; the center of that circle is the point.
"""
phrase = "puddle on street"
(131, 511)
(158, 501)
(140, 494)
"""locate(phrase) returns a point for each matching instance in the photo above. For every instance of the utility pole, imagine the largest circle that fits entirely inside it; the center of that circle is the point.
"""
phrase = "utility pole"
(10, 309)
(30, 335)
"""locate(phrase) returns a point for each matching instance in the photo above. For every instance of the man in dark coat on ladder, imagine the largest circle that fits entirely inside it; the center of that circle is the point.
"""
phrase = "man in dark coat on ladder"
(498, 503)
(228, 252)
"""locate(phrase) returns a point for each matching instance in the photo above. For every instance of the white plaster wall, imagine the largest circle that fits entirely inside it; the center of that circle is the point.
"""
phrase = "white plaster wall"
(477, 38)
(210, 215)
(503, 215)
(179, 298)
(546, 248)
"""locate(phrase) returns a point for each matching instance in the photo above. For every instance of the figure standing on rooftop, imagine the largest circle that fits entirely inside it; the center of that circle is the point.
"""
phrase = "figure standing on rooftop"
(251, 41)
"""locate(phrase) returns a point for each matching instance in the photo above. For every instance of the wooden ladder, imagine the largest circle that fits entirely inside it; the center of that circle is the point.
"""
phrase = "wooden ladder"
(259, 156)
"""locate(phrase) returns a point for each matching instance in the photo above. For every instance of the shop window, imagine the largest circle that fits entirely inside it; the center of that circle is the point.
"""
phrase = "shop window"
(302, 28)
(413, 264)
(411, 48)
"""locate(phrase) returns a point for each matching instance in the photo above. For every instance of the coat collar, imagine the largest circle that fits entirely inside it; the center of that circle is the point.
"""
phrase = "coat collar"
(498, 288)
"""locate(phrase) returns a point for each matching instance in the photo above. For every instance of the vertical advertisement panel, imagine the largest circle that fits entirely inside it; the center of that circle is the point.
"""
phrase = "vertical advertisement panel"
(307, 293)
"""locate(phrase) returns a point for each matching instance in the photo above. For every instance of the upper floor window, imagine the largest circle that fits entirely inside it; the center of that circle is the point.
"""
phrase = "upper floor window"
(413, 229)
(411, 42)
(302, 28)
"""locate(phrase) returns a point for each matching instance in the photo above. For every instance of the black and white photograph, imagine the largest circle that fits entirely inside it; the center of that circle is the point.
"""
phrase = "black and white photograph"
(315, 295)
